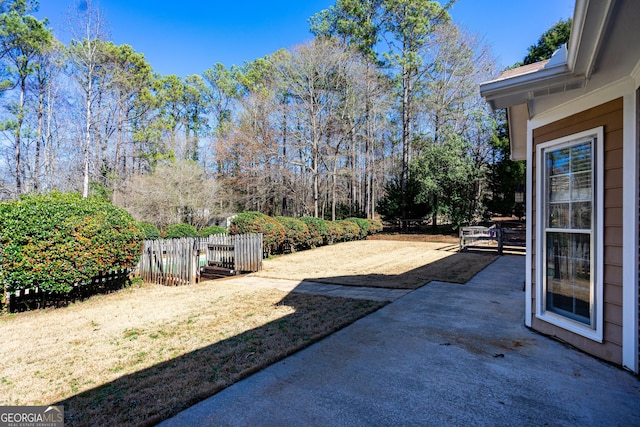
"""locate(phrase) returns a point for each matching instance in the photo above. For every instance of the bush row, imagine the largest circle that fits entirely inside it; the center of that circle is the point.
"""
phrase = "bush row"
(178, 231)
(283, 233)
(57, 240)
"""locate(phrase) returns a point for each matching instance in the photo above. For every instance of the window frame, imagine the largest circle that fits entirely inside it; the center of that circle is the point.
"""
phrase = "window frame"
(594, 331)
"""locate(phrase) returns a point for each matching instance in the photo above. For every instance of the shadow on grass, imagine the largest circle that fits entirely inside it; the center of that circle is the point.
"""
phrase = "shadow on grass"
(156, 393)
(151, 395)
(459, 267)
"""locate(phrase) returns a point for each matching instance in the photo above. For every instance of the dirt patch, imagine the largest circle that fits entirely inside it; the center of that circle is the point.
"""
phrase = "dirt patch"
(141, 355)
(396, 264)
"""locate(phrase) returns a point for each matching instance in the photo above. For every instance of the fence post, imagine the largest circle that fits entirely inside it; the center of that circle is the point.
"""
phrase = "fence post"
(194, 260)
(500, 237)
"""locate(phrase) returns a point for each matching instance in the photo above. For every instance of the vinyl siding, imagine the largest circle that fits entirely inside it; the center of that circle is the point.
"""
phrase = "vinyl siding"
(610, 116)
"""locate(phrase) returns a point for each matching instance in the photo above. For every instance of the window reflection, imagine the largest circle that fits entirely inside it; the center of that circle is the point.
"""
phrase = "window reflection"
(569, 275)
(569, 220)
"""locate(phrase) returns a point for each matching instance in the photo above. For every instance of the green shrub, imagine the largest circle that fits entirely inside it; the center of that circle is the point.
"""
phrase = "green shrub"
(297, 232)
(273, 232)
(350, 230)
(362, 224)
(57, 240)
(212, 229)
(318, 230)
(375, 226)
(335, 232)
(149, 231)
(177, 231)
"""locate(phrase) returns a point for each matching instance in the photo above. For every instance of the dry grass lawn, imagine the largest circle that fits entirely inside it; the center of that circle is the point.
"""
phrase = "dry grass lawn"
(432, 238)
(379, 263)
(141, 355)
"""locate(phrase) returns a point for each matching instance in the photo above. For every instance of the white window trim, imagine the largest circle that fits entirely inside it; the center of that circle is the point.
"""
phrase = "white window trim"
(598, 247)
(631, 162)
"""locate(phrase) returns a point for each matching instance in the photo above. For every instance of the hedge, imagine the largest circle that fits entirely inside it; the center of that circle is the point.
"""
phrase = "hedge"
(303, 233)
(149, 231)
(178, 231)
(211, 229)
(375, 226)
(318, 231)
(296, 232)
(57, 240)
(273, 232)
(351, 231)
(335, 232)
(363, 226)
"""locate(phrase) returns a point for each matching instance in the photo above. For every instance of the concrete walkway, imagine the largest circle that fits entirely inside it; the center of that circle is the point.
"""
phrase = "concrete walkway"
(444, 354)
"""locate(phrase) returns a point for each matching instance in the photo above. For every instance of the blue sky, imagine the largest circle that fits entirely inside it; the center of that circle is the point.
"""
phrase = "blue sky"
(187, 37)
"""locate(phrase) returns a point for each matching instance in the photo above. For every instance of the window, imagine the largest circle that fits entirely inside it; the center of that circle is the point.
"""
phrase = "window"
(569, 291)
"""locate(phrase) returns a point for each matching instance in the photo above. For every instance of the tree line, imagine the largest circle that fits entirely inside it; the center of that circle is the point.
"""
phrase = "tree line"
(379, 113)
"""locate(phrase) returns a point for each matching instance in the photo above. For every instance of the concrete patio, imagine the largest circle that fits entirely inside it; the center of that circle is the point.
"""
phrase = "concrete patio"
(444, 354)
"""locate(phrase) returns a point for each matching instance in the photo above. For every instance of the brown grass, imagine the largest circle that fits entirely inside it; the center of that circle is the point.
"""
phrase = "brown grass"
(379, 263)
(141, 355)
(433, 238)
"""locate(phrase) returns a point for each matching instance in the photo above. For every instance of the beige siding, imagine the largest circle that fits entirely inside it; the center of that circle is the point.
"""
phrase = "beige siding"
(610, 116)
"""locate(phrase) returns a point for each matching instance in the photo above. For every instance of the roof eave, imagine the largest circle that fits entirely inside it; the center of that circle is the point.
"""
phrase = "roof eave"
(516, 90)
(573, 70)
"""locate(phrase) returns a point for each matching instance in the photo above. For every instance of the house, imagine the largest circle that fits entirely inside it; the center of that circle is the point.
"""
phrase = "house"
(575, 119)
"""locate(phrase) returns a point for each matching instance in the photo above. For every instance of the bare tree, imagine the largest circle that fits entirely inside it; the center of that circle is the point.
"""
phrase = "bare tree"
(23, 38)
(317, 80)
(175, 192)
(88, 30)
(48, 68)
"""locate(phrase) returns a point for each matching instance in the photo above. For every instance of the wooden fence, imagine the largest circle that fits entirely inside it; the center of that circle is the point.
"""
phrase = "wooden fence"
(242, 252)
(176, 262)
(103, 283)
(170, 262)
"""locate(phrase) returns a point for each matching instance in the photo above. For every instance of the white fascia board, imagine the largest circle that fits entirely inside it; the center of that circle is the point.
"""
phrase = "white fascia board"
(592, 36)
(577, 28)
(521, 86)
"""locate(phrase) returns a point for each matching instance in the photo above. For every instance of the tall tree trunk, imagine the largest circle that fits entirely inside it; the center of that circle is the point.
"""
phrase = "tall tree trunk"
(18, 132)
(87, 142)
(406, 139)
(333, 187)
(284, 161)
(39, 140)
(368, 144)
(354, 173)
(316, 189)
(51, 163)
(116, 163)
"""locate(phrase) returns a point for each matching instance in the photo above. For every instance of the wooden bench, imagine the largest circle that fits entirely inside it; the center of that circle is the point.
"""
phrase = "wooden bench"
(474, 233)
